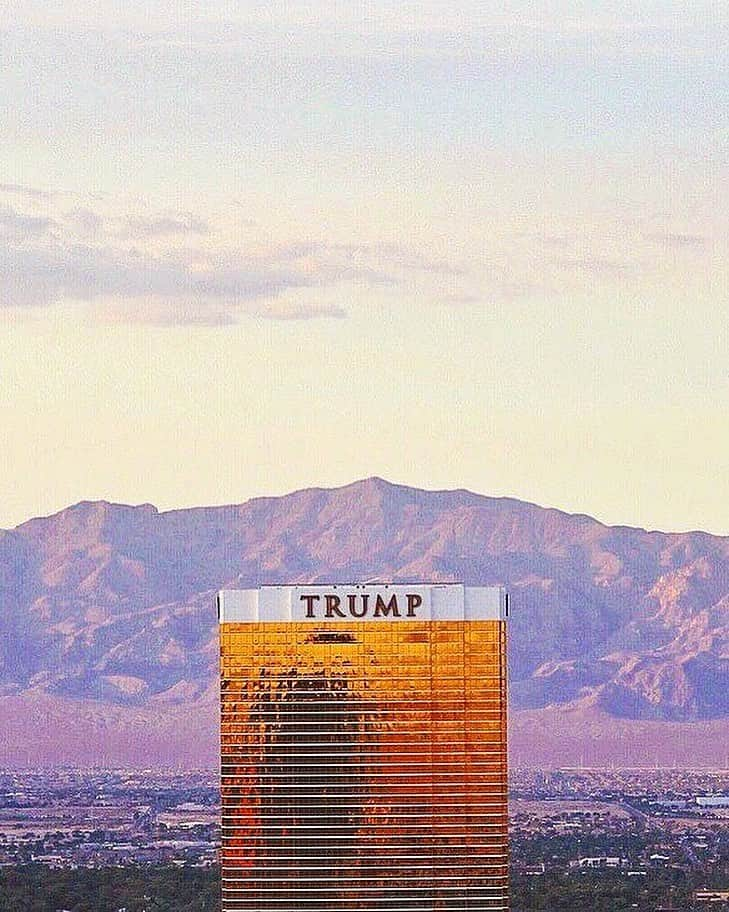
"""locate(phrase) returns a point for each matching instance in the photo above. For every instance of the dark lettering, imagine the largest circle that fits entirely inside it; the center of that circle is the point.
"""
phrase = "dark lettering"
(332, 606)
(353, 610)
(383, 610)
(310, 599)
(414, 601)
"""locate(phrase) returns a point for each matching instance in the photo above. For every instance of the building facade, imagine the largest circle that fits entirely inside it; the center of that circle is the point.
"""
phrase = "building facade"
(363, 748)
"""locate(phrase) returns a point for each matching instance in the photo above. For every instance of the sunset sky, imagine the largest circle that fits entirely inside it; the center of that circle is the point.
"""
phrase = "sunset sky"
(251, 247)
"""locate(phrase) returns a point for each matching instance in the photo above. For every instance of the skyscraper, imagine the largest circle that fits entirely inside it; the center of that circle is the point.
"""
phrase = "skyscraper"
(363, 744)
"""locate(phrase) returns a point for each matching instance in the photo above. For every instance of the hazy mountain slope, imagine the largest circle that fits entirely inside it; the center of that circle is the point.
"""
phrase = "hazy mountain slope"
(115, 603)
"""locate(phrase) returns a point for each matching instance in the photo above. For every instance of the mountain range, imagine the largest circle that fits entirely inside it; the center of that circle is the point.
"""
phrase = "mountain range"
(618, 637)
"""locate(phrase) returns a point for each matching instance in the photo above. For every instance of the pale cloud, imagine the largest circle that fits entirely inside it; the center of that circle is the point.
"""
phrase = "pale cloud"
(143, 268)
(162, 313)
(46, 273)
(22, 190)
(179, 268)
(288, 310)
(163, 225)
(19, 223)
(84, 222)
(595, 264)
(677, 240)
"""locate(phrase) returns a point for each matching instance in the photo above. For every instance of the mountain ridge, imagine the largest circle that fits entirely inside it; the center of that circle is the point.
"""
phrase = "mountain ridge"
(113, 603)
(505, 498)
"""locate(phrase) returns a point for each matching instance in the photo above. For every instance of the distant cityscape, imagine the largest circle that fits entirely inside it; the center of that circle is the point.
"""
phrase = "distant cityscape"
(636, 827)
(81, 818)
(635, 822)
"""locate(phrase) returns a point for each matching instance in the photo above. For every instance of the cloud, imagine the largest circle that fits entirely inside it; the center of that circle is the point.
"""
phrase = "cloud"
(23, 190)
(176, 268)
(143, 268)
(461, 300)
(161, 226)
(21, 224)
(676, 240)
(595, 264)
(84, 222)
(286, 310)
(378, 261)
(156, 312)
(46, 273)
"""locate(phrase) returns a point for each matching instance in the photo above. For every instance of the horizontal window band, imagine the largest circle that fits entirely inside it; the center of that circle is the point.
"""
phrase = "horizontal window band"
(393, 776)
(354, 883)
(357, 764)
(431, 703)
(270, 672)
(348, 720)
(389, 860)
(379, 787)
(351, 718)
(260, 752)
(354, 748)
(238, 716)
(266, 832)
(392, 831)
(380, 791)
(362, 767)
(458, 812)
(437, 802)
(344, 905)
(426, 700)
(375, 790)
(486, 820)
(267, 676)
(292, 737)
(277, 664)
(348, 709)
(402, 893)
(405, 713)
(354, 721)
(234, 905)
(495, 747)
(368, 742)
(360, 850)
(359, 843)
(477, 809)
(380, 732)
(431, 863)
(491, 700)
(406, 732)
(401, 897)
(259, 755)
(270, 682)
(347, 743)
(353, 724)
(396, 872)
(291, 888)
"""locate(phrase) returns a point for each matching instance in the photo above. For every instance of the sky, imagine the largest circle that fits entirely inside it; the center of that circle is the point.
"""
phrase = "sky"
(252, 247)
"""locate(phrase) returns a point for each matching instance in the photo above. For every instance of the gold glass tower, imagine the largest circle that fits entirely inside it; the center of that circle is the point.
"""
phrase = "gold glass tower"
(363, 743)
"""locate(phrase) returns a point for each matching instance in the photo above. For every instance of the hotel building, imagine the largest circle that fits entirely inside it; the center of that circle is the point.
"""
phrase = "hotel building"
(363, 746)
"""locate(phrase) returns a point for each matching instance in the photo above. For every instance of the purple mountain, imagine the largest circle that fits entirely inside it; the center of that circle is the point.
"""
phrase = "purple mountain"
(109, 638)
